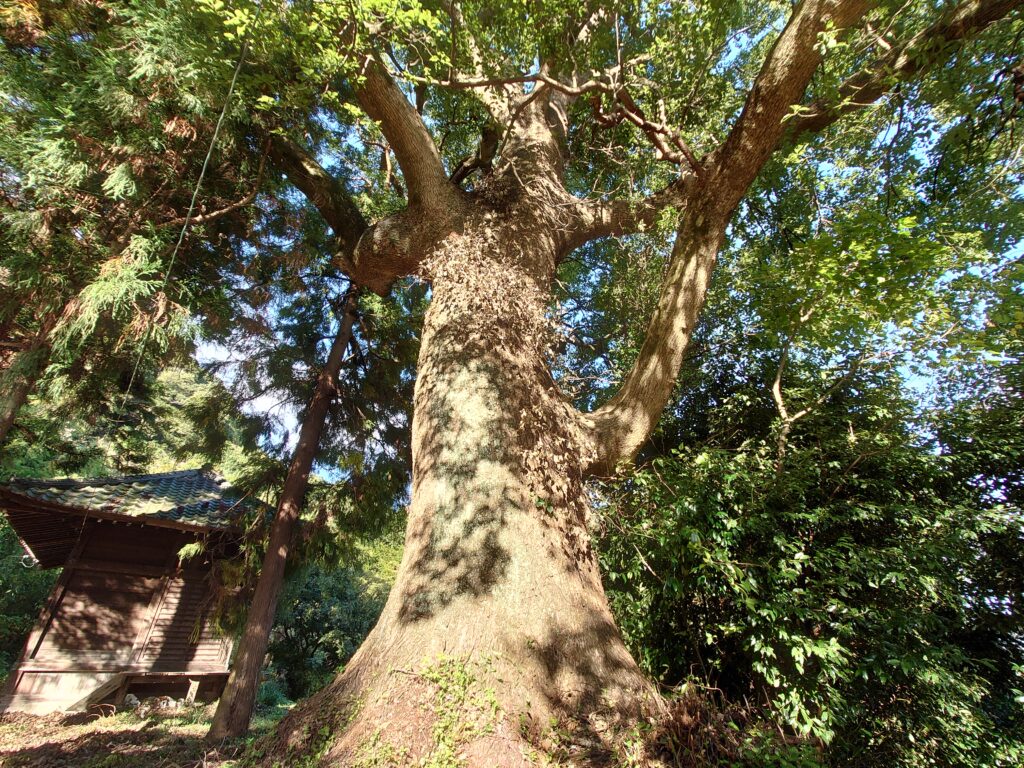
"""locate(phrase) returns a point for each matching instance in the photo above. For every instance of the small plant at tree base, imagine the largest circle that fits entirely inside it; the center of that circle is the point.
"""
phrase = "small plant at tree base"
(378, 752)
(463, 712)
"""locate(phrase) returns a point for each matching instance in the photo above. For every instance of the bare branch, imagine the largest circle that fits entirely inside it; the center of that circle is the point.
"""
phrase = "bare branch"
(780, 403)
(786, 418)
(205, 218)
(456, 82)
(604, 80)
(668, 143)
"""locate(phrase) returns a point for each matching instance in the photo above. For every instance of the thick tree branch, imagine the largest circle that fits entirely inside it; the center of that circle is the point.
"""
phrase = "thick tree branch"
(322, 189)
(372, 256)
(781, 83)
(900, 62)
(623, 425)
(613, 218)
(405, 131)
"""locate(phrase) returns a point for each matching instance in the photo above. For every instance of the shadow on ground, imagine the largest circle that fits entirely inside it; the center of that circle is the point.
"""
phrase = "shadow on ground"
(118, 741)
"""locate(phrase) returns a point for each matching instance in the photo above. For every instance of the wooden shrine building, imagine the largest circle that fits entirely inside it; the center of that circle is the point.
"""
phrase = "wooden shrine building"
(127, 613)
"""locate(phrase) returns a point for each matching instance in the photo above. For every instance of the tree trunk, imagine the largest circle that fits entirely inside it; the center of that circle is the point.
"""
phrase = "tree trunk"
(236, 704)
(497, 629)
(13, 399)
(20, 378)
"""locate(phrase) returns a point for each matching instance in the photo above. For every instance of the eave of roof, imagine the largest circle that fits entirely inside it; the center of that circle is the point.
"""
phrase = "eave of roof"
(190, 499)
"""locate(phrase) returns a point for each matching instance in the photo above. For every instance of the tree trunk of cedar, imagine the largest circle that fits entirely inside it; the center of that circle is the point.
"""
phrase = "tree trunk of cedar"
(497, 627)
(13, 399)
(236, 704)
(20, 378)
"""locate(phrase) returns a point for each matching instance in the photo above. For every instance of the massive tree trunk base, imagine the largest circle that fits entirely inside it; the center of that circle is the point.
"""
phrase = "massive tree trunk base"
(497, 638)
(478, 710)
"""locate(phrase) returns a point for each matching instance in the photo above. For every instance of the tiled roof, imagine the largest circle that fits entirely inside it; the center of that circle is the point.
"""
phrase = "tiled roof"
(193, 497)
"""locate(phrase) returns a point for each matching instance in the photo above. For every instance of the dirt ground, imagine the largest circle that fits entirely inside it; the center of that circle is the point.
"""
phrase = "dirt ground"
(123, 740)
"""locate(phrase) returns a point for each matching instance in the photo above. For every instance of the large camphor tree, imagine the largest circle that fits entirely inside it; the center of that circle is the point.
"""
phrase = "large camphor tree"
(493, 151)
(595, 121)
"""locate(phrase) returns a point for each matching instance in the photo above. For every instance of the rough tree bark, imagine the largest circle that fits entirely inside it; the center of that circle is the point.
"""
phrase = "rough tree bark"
(18, 381)
(498, 625)
(498, 576)
(15, 396)
(236, 703)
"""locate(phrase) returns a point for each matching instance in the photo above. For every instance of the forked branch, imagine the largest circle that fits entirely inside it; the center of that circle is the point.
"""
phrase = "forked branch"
(206, 218)
(625, 423)
(622, 426)
(403, 127)
(902, 61)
